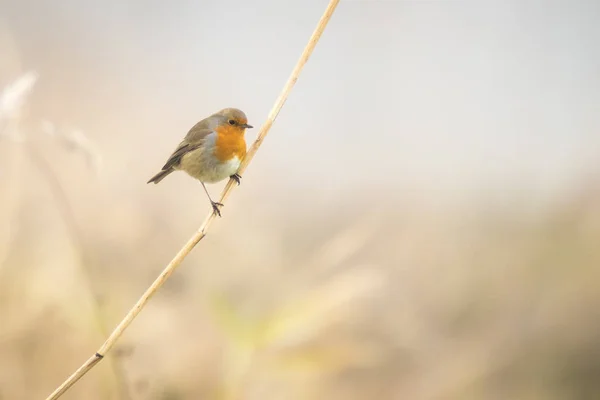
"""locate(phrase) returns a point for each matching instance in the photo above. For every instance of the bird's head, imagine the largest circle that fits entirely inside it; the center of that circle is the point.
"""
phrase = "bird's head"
(234, 118)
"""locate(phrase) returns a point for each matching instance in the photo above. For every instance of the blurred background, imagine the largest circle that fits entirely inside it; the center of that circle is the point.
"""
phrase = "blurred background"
(422, 222)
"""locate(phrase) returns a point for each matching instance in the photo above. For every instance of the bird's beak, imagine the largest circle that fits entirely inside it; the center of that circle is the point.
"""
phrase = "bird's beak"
(247, 126)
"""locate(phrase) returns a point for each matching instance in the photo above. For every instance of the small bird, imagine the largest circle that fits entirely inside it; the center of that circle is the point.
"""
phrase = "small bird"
(211, 151)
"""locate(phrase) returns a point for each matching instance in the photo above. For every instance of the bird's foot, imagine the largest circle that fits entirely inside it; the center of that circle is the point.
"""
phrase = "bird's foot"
(216, 206)
(237, 178)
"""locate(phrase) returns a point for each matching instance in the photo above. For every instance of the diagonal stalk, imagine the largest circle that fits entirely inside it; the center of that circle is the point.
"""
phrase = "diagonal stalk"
(202, 231)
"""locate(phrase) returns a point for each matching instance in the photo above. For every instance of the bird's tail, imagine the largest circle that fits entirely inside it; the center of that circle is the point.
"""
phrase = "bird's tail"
(160, 176)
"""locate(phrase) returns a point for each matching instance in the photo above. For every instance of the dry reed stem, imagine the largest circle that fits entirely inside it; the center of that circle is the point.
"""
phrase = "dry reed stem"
(74, 233)
(12, 193)
(201, 233)
(13, 100)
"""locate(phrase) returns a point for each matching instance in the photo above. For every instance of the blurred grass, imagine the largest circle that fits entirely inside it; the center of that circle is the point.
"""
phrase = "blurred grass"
(414, 302)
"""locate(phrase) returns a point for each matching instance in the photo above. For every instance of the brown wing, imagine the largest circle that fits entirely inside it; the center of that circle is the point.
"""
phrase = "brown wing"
(193, 140)
(199, 131)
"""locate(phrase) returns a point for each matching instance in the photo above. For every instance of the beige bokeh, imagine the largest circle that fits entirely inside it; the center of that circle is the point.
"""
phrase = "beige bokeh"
(422, 221)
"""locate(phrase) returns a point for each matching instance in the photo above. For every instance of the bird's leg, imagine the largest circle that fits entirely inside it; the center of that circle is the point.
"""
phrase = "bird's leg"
(214, 204)
(236, 177)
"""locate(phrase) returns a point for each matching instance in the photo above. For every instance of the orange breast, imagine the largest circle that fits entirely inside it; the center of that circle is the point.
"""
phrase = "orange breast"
(230, 143)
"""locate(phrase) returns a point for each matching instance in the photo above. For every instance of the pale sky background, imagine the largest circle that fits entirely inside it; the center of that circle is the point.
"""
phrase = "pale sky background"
(454, 97)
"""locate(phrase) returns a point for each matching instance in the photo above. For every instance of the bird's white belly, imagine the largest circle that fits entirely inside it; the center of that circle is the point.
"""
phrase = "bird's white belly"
(204, 166)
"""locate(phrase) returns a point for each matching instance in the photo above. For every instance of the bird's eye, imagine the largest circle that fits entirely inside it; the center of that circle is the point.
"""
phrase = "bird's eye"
(231, 122)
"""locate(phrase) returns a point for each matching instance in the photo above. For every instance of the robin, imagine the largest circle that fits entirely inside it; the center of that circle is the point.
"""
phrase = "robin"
(211, 151)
